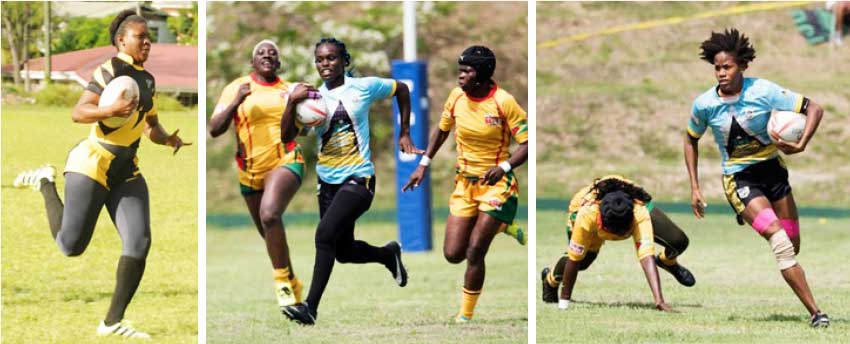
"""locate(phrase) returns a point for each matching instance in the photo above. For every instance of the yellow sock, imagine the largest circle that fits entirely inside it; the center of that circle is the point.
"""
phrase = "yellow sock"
(666, 261)
(281, 275)
(470, 298)
(550, 279)
(296, 289)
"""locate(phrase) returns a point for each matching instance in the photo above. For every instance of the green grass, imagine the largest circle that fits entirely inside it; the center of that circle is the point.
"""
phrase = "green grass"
(49, 298)
(739, 297)
(362, 303)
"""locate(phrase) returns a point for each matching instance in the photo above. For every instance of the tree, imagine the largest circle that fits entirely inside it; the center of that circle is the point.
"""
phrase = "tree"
(21, 21)
(185, 25)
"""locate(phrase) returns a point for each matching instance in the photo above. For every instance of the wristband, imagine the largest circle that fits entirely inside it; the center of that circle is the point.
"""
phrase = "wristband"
(506, 166)
(425, 161)
(563, 304)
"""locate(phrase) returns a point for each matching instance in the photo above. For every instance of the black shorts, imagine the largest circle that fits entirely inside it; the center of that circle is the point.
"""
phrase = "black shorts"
(768, 178)
(326, 192)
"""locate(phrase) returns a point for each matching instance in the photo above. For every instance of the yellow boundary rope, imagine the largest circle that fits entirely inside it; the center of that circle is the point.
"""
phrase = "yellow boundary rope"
(762, 6)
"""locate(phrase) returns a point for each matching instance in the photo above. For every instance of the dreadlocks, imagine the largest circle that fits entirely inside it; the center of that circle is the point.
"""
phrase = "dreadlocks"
(730, 41)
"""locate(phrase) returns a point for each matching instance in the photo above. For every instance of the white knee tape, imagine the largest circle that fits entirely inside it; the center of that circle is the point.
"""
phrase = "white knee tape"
(783, 249)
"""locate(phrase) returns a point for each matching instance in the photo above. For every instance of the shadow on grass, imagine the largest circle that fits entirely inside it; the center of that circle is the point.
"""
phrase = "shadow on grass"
(636, 305)
(780, 317)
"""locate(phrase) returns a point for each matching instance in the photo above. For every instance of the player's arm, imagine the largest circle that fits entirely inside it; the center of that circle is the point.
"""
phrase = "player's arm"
(223, 114)
(438, 137)
(157, 134)
(813, 113)
(402, 96)
(691, 161)
(651, 272)
(517, 121)
(288, 129)
(87, 111)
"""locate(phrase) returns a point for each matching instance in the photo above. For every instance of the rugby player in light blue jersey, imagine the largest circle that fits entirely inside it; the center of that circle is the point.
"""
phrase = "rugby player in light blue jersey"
(755, 179)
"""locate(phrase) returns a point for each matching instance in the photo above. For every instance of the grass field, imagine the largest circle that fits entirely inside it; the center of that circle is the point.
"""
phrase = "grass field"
(740, 297)
(362, 303)
(48, 298)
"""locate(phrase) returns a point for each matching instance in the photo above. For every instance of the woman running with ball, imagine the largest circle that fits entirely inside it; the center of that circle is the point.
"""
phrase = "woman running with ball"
(345, 170)
(103, 169)
(754, 175)
(270, 170)
(486, 192)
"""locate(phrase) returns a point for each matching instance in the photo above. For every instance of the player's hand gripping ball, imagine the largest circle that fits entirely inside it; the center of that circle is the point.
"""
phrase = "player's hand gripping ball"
(121, 86)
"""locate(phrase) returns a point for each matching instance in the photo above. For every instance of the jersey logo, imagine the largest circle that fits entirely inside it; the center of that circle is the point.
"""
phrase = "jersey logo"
(493, 120)
(576, 248)
(149, 82)
(495, 203)
(743, 192)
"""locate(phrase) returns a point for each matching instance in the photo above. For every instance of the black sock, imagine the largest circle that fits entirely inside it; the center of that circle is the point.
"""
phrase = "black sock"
(558, 271)
(128, 276)
(53, 205)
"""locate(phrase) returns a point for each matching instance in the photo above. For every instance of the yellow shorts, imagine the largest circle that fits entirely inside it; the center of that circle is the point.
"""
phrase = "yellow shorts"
(253, 181)
(106, 166)
(471, 196)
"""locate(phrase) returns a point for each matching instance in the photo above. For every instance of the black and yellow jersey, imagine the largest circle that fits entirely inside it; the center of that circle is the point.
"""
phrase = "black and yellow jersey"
(108, 155)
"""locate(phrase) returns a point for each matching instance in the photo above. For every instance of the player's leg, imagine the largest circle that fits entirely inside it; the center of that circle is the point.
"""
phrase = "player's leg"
(485, 229)
(84, 198)
(340, 206)
(456, 241)
(280, 187)
(129, 207)
(761, 216)
(675, 242)
(786, 210)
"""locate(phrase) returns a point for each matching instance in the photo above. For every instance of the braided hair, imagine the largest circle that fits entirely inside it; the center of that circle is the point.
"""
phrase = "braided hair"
(119, 25)
(730, 41)
(617, 203)
(340, 46)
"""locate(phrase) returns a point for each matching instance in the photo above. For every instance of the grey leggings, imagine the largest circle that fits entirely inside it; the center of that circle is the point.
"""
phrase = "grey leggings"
(128, 205)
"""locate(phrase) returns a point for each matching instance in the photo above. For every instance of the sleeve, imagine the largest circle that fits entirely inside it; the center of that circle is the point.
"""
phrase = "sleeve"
(643, 234)
(782, 99)
(101, 76)
(697, 124)
(447, 119)
(380, 88)
(582, 237)
(517, 120)
(227, 96)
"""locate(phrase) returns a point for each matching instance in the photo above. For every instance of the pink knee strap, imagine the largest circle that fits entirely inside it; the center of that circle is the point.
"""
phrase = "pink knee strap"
(792, 227)
(765, 217)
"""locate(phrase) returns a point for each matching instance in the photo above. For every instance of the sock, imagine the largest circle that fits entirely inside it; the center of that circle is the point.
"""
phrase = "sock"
(552, 280)
(558, 271)
(128, 276)
(470, 298)
(53, 205)
(666, 261)
(296, 289)
(281, 275)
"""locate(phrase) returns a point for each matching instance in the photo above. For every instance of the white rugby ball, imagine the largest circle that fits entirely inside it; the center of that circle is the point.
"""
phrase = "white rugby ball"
(121, 85)
(311, 112)
(786, 125)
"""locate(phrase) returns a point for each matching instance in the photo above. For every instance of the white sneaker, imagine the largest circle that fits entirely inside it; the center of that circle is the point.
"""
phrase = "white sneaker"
(32, 178)
(121, 329)
(285, 294)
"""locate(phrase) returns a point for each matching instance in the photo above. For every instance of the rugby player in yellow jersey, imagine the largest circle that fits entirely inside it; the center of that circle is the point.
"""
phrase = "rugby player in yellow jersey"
(755, 178)
(486, 191)
(103, 169)
(615, 208)
(269, 169)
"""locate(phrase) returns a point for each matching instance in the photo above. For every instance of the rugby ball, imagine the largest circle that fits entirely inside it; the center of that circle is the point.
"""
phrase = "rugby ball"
(311, 112)
(786, 125)
(121, 85)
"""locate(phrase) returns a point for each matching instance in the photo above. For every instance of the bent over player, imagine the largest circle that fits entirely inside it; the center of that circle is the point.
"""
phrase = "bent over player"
(755, 179)
(614, 208)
